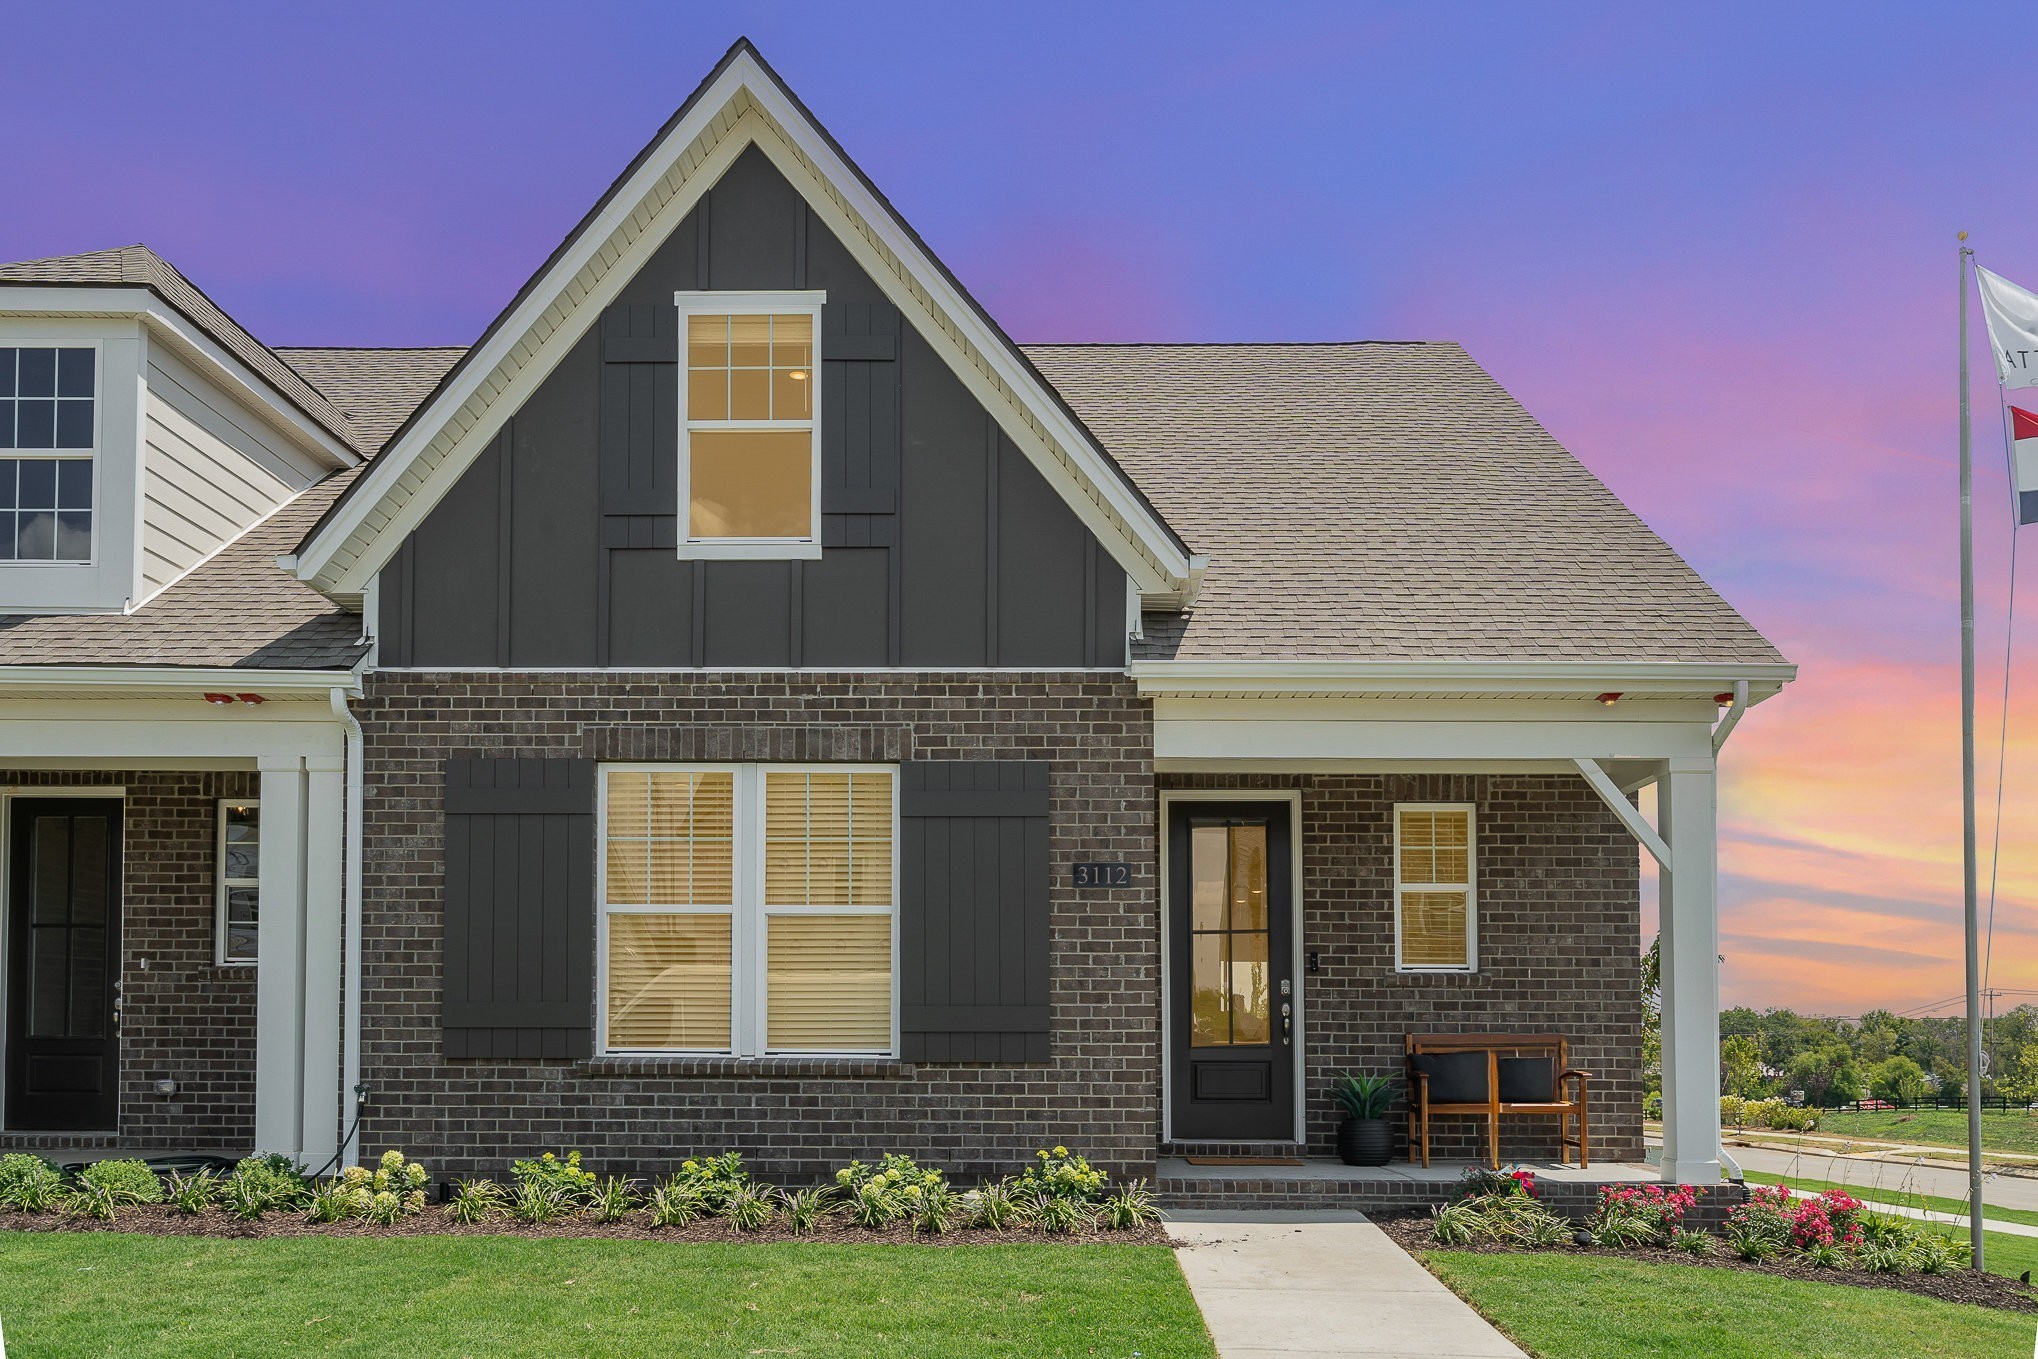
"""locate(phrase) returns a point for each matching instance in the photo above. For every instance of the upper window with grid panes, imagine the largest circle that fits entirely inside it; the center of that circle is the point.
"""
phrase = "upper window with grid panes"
(49, 429)
(750, 442)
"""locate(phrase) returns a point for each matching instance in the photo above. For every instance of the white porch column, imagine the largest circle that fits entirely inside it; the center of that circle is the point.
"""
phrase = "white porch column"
(324, 823)
(1687, 814)
(279, 979)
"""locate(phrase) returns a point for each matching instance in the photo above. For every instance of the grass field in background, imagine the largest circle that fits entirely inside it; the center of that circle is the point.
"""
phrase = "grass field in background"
(2016, 1132)
(67, 1295)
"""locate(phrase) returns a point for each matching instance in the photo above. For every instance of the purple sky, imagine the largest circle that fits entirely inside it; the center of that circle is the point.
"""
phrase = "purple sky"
(1712, 248)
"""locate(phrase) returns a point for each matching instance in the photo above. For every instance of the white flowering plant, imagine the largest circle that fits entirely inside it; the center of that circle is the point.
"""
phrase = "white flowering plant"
(887, 1190)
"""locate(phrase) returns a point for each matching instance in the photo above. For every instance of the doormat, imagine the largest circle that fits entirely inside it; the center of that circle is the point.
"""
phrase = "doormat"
(1244, 1160)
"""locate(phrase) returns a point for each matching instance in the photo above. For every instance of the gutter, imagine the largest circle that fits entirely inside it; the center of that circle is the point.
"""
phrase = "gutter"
(112, 680)
(1758, 680)
(1727, 724)
(350, 949)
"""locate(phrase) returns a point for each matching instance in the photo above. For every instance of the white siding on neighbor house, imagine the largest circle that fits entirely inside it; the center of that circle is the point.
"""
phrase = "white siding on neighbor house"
(211, 470)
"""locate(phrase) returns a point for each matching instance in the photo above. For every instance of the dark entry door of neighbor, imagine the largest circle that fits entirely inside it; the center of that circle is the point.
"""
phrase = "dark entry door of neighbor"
(1230, 955)
(63, 968)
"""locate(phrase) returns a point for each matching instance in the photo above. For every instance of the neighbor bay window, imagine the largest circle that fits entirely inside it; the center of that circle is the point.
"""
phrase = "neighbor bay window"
(748, 909)
(1435, 909)
(750, 441)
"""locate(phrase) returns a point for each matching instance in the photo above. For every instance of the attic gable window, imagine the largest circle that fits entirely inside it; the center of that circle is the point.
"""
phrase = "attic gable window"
(750, 444)
(48, 432)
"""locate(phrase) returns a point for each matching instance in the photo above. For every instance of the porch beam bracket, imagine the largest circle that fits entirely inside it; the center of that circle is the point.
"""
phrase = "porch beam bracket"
(1629, 814)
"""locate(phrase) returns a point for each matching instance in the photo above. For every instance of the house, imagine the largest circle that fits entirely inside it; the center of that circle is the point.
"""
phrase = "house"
(745, 701)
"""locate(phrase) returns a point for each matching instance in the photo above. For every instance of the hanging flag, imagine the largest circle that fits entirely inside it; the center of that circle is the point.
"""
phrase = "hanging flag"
(2024, 437)
(2012, 315)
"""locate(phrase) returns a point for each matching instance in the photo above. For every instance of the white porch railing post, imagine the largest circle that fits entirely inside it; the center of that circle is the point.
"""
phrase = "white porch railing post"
(279, 971)
(1687, 813)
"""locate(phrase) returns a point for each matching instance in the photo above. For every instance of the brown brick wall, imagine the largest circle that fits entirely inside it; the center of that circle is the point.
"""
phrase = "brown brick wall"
(1099, 1093)
(184, 1017)
(1559, 941)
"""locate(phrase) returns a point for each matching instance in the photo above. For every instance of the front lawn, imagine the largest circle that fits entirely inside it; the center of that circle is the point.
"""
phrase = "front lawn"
(105, 1293)
(1599, 1307)
(1936, 1127)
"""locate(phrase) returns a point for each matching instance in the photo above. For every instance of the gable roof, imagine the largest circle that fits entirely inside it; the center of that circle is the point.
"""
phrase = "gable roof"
(376, 389)
(139, 266)
(1384, 501)
(743, 102)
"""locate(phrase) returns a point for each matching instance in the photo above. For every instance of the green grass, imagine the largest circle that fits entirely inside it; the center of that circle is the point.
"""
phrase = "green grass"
(1936, 1128)
(74, 1294)
(1593, 1307)
(1886, 1193)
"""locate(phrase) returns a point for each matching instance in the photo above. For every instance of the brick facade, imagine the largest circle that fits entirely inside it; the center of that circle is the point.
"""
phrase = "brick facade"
(790, 1119)
(1558, 882)
(183, 1016)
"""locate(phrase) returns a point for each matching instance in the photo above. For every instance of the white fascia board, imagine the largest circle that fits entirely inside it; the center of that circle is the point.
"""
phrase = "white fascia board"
(1097, 495)
(192, 345)
(1283, 740)
(1279, 679)
(110, 681)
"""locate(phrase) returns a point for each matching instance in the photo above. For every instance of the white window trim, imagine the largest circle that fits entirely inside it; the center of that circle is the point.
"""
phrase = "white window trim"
(222, 882)
(748, 912)
(1469, 886)
(91, 455)
(807, 303)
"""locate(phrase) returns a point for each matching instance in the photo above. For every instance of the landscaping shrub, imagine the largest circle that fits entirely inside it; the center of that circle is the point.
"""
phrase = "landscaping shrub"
(125, 1181)
(1792, 1118)
(1641, 1214)
(887, 1191)
(334, 1201)
(572, 1184)
(476, 1201)
(1054, 1213)
(538, 1201)
(29, 1184)
(613, 1198)
(715, 1180)
(674, 1204)
(806, 1209)
(1062, 1175)
(750, 1207)
(1132, 1206)
(193, 1194)
(993, 1206)
(261, 1183)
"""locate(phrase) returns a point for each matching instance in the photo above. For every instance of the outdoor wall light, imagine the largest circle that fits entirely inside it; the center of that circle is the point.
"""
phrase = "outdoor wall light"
(219, 700)
(1608, 700)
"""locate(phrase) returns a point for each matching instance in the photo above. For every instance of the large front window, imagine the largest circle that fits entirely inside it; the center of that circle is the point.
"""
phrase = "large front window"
(48, 431)
(749, 411)
(748, 909)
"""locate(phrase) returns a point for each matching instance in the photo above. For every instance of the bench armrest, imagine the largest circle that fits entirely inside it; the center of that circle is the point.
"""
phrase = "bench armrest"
(1581, 1075)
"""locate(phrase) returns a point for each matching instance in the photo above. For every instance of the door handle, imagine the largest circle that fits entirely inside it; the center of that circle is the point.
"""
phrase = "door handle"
(1287, 1023)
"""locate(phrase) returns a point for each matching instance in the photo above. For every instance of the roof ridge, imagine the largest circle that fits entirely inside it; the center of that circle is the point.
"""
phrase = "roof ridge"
(1230, 344)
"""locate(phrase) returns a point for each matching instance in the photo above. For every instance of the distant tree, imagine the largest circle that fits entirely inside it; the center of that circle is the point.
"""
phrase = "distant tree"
(1652, 1028)
(1741, 1067)
(1877, 1037)
(2020, 1081)
(1827, 1075)
(1898, 1080)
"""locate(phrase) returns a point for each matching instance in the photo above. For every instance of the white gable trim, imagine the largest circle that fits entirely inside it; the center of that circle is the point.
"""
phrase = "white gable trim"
(742, 106)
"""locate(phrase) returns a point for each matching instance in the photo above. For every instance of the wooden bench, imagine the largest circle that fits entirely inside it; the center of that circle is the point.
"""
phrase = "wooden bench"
(1463, 1073)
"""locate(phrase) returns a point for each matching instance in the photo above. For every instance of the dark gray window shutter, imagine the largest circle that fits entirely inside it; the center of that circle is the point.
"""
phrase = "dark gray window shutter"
(973, 911)
(519, 942)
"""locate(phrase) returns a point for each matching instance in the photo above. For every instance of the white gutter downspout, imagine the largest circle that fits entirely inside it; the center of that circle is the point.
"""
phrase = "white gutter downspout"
(1720, 734)
(350, 967)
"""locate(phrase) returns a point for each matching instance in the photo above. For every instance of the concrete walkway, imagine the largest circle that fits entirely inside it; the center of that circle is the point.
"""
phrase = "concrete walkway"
(1325, 1285)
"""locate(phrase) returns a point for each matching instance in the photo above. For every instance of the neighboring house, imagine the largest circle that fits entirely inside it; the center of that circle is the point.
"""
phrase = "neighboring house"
(747, 702)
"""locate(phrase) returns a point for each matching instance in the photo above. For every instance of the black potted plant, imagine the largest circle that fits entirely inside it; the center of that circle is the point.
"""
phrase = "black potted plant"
(1365, 1138)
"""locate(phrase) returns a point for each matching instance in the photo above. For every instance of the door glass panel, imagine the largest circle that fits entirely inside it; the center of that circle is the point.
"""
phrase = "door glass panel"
(1231, 978)
(1251, 992)
(49, 967)
(88, 982)
(88, 870)
(50, 871)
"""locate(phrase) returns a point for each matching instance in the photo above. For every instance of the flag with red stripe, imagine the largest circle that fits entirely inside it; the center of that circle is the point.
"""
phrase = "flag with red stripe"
(2024, 462)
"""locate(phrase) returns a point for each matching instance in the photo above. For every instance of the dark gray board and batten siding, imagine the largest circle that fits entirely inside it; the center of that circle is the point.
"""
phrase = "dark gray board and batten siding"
(941, 544)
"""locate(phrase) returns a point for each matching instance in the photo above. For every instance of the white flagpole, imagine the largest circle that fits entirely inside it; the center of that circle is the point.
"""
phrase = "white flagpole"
(1967, 782)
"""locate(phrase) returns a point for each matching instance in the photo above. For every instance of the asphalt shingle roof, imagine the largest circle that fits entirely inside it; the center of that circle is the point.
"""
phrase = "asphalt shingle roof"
(238, 609)
(376, 389)
(1384, 501)
(139, 266)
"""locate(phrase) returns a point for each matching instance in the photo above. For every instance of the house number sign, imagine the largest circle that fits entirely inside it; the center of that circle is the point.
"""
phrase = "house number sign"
(1103, 875)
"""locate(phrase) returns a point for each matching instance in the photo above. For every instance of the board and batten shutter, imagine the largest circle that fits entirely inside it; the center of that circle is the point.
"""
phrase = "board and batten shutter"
(519, 924)
(973, 911)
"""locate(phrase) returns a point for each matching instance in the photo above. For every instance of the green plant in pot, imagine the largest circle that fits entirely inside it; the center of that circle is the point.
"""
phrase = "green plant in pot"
(1365, 1138)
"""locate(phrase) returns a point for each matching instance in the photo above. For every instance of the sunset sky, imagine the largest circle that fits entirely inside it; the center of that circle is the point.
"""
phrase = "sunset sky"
(1711, 247)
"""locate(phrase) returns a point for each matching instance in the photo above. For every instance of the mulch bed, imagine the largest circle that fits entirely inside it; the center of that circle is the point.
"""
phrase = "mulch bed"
(1412, 1232)
(162, 1219)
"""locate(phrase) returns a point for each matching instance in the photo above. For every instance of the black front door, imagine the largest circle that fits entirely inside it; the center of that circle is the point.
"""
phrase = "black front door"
(63, 964)
(1230, 947)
